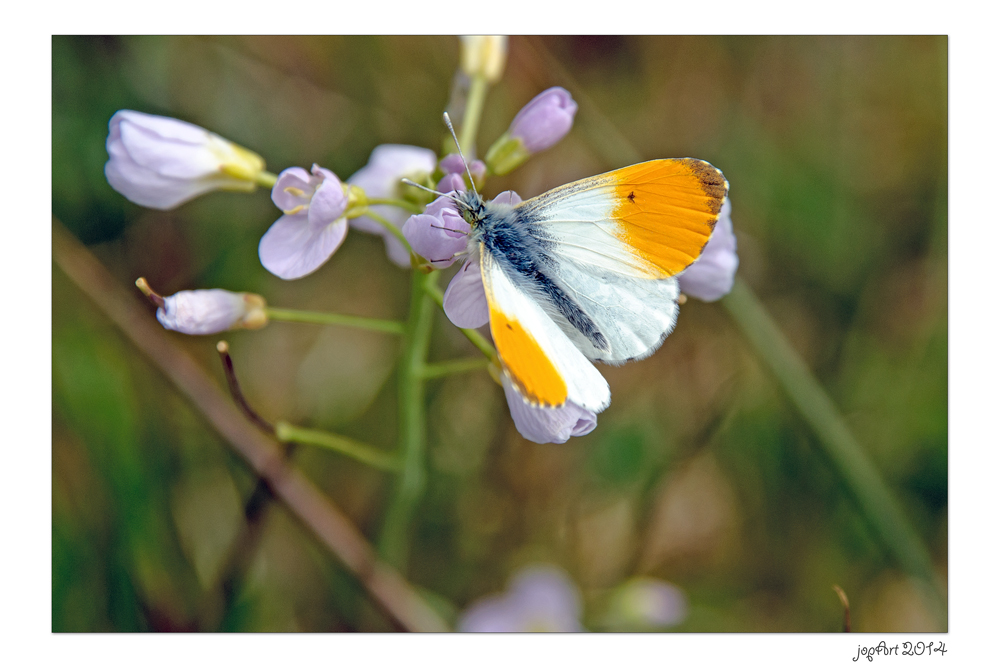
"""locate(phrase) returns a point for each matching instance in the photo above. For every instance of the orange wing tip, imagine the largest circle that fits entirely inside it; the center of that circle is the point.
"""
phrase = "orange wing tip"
(712, 182)
(530, 370)
(667, 209)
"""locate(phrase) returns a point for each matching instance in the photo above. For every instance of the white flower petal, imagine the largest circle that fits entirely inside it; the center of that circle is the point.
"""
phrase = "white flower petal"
(292, 248)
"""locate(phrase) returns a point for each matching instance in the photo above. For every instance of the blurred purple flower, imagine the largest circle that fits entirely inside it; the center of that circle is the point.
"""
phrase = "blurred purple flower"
(711, 276)
(313, 226)
(209, 311)
(544, 120)
(454, 164)
(163, 162)
(380, 179)
(540, 598)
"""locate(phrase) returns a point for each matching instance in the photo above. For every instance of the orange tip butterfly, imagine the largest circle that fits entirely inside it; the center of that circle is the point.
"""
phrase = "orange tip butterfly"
(585, 272)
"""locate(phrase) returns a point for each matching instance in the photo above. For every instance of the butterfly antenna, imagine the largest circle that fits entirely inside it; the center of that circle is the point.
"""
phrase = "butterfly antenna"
(447, 121)
(439, 194)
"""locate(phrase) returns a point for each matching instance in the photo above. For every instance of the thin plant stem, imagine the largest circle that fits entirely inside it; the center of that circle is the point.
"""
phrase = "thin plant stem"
(332, 528)
(474, 336)
(216, 613)
(451, 367)
(312, 317)
(358, 451)
(267, 179)
(848, 457)
(410, 206)
(473, 112)
(803, 390)
(394, 539)
(391, 228)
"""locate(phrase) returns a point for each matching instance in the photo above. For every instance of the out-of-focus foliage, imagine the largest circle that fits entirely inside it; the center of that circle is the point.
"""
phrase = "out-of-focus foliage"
(700, 472)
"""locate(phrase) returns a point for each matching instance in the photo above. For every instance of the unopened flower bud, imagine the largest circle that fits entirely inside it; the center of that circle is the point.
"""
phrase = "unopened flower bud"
(484, 56)
(163, 162)
(539, 125)
(202, 312)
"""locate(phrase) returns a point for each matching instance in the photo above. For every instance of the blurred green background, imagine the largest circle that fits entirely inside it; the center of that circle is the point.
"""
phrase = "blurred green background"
(700, 473)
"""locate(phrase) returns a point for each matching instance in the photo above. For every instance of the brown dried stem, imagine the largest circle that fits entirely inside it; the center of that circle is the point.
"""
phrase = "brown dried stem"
(333, 529)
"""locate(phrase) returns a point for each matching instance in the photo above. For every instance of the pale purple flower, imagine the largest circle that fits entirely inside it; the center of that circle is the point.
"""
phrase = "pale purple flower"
(209, 311)
(313, 226)
(544, 120)
(544, 425)
(380, 179)
(163, 162)
(439, 234)
(711, 276)
(645, 603)
(540, 598)
(465, 299)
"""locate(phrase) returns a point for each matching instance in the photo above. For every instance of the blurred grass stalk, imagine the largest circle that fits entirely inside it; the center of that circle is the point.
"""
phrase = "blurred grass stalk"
(843, 450)
(310, 506)
(807, 395)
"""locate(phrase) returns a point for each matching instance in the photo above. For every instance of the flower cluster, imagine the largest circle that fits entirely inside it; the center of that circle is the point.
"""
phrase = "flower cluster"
(163, 162)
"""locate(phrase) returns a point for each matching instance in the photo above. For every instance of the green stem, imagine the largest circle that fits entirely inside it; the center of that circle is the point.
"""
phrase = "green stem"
(311, 317)
(393, 542)
(474, 336)
(410, 206)
(847, 455)
(808, 397)
(473, 112)
(266, 179)
(454, 366)
(358, 451)
(393, 229)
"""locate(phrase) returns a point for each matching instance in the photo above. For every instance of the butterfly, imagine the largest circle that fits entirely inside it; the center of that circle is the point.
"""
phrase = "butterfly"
(585, 272)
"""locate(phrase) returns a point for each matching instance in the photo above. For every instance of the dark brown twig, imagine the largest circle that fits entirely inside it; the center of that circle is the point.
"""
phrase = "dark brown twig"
(237, 393)
(244, 546)
(330, 526)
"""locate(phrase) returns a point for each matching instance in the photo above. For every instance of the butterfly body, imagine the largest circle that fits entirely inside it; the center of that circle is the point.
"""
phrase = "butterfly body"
(585, 272)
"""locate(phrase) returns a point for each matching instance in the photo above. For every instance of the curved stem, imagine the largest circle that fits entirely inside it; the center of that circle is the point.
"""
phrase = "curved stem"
(358, 451)
(474, 336)
(392, 229)
(311, 317)
(410, 206)
(394, 539)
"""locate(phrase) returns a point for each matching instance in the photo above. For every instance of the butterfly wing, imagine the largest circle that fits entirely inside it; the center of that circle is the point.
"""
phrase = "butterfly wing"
(545, 368)
(613, 243)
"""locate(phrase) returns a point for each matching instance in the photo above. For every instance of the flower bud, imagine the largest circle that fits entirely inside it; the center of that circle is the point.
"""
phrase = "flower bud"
(539, 125)
(209, 311)
(484, 56)
(162, 162)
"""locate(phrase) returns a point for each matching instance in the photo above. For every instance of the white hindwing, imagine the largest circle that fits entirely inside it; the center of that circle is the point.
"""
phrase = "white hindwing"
(610, 284)
(585, 386)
